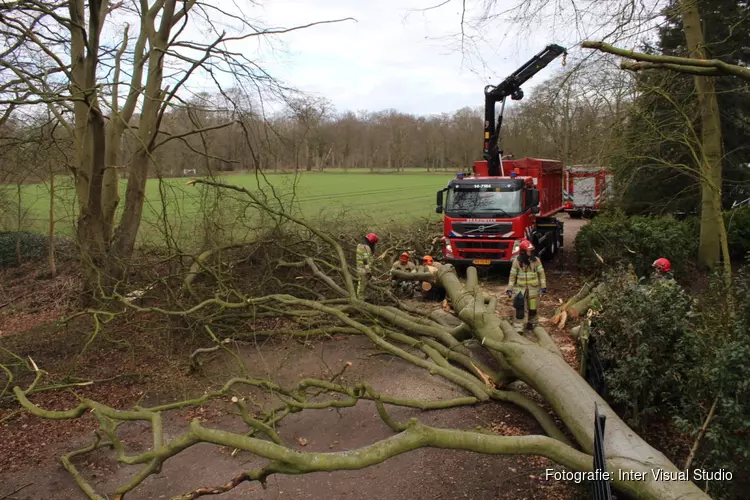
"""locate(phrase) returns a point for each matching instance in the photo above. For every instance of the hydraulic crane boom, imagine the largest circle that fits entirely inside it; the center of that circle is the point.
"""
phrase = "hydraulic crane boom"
(511, 86)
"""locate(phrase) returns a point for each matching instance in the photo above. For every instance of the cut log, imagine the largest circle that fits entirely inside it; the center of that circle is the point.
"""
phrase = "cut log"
(582, 293)
(581, 307)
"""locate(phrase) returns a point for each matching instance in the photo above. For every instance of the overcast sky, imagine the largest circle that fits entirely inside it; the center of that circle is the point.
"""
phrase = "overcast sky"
(393, 56)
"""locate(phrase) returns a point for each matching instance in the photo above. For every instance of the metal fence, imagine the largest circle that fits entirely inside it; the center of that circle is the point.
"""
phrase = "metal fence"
(600, 487)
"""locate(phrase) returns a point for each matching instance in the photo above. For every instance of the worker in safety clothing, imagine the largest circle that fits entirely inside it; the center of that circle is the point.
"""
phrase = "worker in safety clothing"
(403, 264)
(365, 250)
(526, 281)
(429, 264)
(663, 270)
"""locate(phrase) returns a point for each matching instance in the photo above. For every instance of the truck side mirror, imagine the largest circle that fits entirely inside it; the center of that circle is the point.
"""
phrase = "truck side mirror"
(439, 202)
(532, 197)
(535, 209)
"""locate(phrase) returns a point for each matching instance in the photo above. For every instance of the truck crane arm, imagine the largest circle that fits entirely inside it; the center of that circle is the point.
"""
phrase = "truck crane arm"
(511, 86)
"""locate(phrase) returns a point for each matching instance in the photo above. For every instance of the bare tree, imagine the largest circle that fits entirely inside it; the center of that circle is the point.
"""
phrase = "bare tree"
(56, 56)
(654, 133)
(309, 113)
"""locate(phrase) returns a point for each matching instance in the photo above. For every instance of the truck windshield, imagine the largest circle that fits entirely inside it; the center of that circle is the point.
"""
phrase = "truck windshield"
(484, 202)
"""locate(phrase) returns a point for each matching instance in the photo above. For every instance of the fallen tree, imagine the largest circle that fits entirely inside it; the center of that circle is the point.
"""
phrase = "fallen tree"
(426, 339)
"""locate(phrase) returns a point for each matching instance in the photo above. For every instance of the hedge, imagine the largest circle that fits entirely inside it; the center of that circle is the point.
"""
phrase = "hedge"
(637, 240)
(34, 247)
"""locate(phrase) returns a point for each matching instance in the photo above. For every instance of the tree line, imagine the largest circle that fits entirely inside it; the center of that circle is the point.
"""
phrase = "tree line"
(572, 117)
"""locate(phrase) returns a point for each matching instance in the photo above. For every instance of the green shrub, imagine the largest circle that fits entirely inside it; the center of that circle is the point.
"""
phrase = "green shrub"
(738, 231)
(723, 376)
(665, 353)
(648, 345)
(34, 247)
(622, 240)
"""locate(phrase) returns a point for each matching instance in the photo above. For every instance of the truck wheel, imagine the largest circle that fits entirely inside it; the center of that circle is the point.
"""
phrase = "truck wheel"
(548, 247)
(555, 243)
(575, 215)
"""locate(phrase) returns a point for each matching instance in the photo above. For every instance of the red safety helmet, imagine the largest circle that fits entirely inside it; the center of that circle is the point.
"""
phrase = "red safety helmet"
(427, 259)
(372, 238)
(404, 257)
(525, 245)
(662, 265)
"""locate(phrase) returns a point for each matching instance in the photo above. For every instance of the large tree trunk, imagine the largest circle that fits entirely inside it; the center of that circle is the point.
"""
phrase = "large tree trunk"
(710, 167)
(91, 234)
(135, 195)
(97, 143)
(88, 132)
(110, 182)
(569, 395)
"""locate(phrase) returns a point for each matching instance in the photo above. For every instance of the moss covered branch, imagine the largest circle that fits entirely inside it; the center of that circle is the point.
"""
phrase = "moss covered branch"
(704, 67)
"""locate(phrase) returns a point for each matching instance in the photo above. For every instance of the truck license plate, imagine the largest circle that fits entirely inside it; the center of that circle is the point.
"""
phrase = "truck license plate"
(482, 262)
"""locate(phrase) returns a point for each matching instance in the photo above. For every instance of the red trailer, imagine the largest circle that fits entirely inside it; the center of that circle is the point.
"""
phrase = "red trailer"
(586, 189)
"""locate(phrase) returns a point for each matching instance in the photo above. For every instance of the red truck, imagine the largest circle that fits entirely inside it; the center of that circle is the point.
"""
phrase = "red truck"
(586, 189)
(487, 214)
(486, 217)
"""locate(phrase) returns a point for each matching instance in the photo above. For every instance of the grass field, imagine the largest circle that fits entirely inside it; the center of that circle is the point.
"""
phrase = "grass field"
(379, 198)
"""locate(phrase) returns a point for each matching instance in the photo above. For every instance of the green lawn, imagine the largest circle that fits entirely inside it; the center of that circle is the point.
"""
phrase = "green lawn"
(380, 198)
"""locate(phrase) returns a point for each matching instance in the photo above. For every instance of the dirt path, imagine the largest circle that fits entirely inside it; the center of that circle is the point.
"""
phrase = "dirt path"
(423, 474)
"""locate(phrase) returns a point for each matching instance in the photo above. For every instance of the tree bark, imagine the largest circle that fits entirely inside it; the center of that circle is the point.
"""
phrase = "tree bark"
(127, 231)
(91, 236)
(711, 183)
